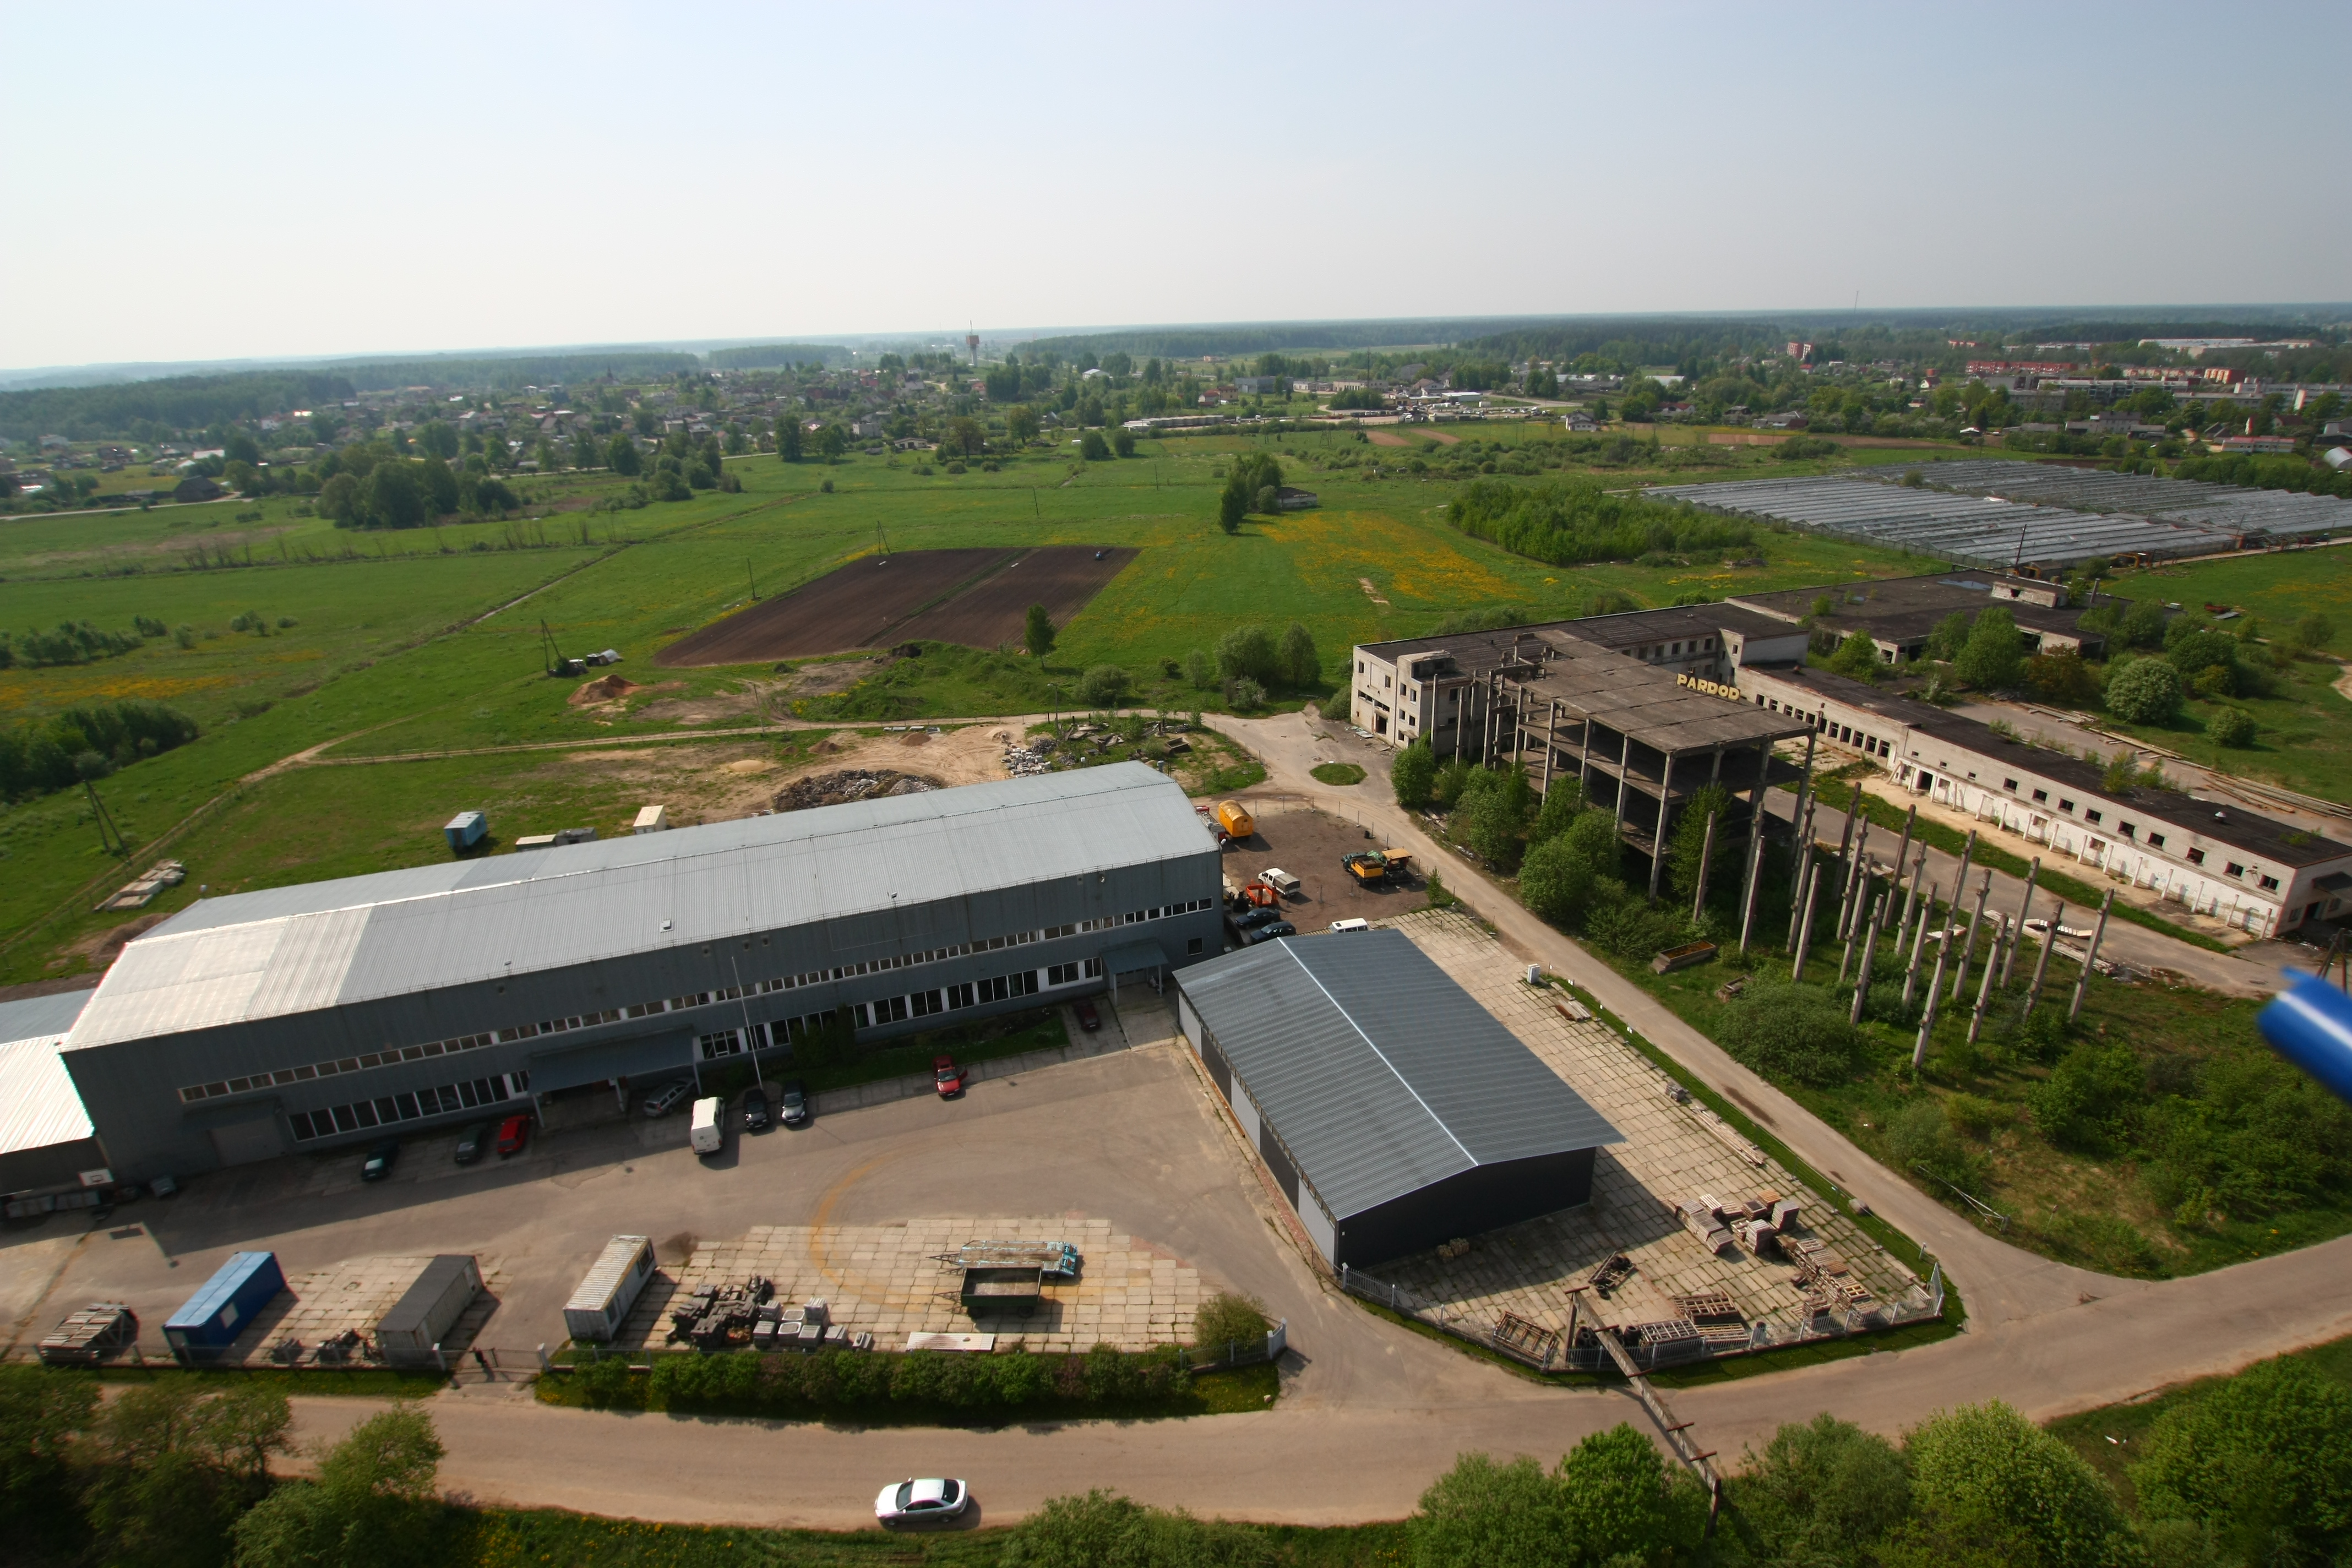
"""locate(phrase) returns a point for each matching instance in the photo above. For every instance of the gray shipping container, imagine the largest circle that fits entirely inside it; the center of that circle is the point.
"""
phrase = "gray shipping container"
(610, 1288)
(428, 1310)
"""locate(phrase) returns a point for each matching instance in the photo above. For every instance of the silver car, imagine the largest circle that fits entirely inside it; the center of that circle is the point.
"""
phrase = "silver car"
(668, 1098)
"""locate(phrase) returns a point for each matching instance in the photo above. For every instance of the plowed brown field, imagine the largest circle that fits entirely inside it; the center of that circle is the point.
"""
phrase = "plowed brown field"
(976, 597)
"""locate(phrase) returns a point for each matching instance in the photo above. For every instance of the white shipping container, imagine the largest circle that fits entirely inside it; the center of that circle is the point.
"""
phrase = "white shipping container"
(652, 819)
(610, 1288)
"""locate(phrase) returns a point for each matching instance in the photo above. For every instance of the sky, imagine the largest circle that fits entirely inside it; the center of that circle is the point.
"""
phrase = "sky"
(251, 182)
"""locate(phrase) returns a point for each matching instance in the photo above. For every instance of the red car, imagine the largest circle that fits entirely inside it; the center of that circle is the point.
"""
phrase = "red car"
(513, 1133)
(948, 1076)
(1088, 1019)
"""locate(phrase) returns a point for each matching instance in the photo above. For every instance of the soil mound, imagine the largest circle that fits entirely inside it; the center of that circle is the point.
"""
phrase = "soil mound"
(850, 784)
(609, 689)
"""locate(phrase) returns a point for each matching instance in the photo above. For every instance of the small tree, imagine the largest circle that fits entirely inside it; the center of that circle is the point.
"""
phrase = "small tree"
(1200, 669)
(1037, 632)
(1411, 775)
(1983, 1472)
(1249, 650)
(2258, 1461)
(1021, 424)
(1856, 657)
(1992, 659)
(1122, 442)
(620, 456)
(1297, 657)
(2145, 691)
(2231, 727)
(788, 438)
(1093, 447)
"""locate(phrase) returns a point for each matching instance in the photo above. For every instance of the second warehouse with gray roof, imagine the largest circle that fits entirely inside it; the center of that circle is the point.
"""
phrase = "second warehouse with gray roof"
(1392, 1108)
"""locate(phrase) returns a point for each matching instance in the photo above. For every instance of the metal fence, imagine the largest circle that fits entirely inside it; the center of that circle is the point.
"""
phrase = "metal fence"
(1682, 1341)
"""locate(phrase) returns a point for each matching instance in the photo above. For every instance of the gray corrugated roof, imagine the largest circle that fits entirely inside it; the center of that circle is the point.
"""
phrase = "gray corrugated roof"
(1379, 1072)
(38, 1104)
(295, 949)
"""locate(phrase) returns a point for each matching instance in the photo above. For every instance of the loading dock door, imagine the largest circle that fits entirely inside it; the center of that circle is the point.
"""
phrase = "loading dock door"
(244, 1142)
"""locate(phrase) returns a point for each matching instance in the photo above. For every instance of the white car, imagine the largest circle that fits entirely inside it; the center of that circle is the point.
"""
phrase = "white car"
(913, 1501)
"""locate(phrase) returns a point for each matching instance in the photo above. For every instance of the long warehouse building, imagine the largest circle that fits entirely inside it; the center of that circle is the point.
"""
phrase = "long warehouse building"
(315, 1014)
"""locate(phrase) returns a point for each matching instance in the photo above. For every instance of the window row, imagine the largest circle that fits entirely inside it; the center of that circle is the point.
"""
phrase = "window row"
(391, 1055)
(471, 1094)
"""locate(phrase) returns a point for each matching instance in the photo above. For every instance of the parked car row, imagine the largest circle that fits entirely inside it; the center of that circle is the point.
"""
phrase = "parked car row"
(509, 1137)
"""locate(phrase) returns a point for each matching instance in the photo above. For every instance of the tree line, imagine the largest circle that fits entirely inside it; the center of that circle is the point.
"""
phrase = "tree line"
(89, 741)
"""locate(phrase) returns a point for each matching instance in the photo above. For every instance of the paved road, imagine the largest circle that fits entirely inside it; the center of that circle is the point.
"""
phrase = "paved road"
(1372, 1412)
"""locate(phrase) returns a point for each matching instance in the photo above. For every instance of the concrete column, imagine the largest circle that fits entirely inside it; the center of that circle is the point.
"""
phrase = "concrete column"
(1918, 944)
(1804, 784)
(1624, 766)
(1805, 928)
(2024, 908)
(2090, 957)
(1658, 836)
(2041, 958)
(1869, 955)
(1706, 859)
(1747, 890)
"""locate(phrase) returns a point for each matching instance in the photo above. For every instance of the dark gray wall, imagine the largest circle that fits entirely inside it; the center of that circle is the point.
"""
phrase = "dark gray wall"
(1483, 1199)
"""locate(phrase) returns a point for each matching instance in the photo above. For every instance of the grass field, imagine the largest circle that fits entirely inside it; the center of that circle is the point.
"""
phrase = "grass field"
(395, 649)
(2306, 739)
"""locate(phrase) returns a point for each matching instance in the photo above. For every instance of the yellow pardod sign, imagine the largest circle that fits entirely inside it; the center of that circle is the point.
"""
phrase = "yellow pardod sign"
(1712, 687)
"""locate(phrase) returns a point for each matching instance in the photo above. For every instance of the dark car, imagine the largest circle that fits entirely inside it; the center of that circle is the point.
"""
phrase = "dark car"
(1248, 920)
(1268, 933)
(948, 1077)
(378, 1164)
(1088, 1019)
(513, 1133)
(755, 1110)
(795, 1102)
(473, 1142)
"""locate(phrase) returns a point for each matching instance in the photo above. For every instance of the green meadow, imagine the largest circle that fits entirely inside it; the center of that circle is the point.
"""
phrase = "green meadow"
(430, 640)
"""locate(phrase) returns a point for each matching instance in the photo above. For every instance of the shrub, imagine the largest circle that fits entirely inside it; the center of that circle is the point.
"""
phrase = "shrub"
(2145, 691)
(1983, 1473)
(1244, 693)
(1227, 1318)
(1104, 686)
(2263, 1460)
(1199, 670)
(1793, 1033)
(2231, 727)
(1820, 1490)
(1921, 1138)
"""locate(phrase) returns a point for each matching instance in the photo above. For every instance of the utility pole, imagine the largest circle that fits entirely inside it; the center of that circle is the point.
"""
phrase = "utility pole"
(1935, 993)
(753, 579)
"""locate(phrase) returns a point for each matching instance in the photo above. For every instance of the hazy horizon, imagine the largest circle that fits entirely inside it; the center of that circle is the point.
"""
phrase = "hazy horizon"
(605, 177)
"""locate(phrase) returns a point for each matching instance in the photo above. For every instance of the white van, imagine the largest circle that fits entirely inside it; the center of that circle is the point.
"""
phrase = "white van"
(704, 1135)
(1351, 925)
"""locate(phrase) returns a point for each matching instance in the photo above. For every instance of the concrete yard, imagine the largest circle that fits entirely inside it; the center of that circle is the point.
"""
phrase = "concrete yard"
(1671, 1152)
(888, 1280)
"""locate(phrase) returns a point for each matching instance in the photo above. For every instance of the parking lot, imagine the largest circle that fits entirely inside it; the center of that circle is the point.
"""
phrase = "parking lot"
(1296, 837)
(1121, 1147)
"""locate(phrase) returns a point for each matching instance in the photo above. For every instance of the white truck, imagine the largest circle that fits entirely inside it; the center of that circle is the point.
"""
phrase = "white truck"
(705, 1134)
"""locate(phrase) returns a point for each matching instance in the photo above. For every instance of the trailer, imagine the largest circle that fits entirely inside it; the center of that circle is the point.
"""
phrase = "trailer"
(90, 1335)
(410, 1334)
(465, 830)
(1001, 1292)
(207, 1325)
(611, 1287)
(1058, 1259)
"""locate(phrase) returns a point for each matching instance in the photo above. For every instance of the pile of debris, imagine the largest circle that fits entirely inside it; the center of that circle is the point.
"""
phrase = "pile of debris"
(851, 783)
(728, 1317)
(1027, 762)
(162, 874)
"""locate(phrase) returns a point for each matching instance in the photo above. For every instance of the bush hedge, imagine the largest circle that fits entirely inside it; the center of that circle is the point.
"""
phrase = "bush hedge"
(842, 1383)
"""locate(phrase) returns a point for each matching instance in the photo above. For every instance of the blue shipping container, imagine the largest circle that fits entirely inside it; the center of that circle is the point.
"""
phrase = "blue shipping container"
(465, 830)
(211, 1320)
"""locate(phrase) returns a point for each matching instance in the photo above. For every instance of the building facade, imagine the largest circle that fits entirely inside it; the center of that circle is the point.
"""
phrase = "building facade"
(315, 1014)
